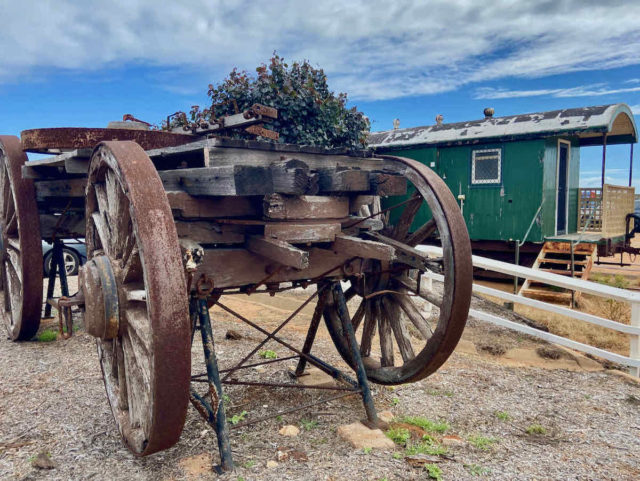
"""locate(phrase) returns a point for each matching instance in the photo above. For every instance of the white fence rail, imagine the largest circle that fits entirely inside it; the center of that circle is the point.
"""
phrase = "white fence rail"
(630, 297)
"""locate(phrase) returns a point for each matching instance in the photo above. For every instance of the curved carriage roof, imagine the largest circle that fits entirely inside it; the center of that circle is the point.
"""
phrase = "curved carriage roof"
(587, 123)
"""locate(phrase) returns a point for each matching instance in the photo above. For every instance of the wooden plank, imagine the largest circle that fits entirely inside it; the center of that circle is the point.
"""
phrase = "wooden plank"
(210, 233)
(60, 188)
(366, 249)
(279, 251)
(302, 232)
(293, 177)
(237, 180)
(188, 206)
(232, 267)
(350, 180)
(356, 225)
(388, 184)
(277, 206)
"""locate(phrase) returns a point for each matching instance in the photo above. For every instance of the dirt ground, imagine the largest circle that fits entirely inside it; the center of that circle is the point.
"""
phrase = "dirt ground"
(494, 393)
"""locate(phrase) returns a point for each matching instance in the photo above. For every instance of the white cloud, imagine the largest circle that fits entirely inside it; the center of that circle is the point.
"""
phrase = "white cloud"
(635, 109)
(373, 49)
(594, 90)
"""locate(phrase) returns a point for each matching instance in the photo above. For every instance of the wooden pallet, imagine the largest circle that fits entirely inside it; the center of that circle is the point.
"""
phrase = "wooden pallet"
(555, 257)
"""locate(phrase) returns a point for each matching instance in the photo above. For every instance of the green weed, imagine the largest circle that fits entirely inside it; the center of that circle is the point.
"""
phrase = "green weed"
(48, 335)
(426, 424)
(536, 429)
(477, 470)
(433, 471)
(399, 435)
(367, 450)
(482, 442)
(236, 418)
(503, 415)
(309, 425)
(268, 354)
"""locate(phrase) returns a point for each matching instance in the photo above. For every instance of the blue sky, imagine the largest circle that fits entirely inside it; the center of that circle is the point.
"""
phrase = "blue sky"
(84, 63)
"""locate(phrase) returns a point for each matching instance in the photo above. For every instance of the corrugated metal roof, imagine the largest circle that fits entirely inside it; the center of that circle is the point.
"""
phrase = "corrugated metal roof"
(587, 123)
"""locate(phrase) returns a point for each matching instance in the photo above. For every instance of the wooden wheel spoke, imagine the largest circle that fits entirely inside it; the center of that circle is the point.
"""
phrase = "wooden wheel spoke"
(138, 325)
(403, 339)
(119, 217)
(132, 268)
(368, 328)
(120, 373)
(414, 315)
(385, 333)
(349, 293)
(6, 190)
(138, 396)
(358, 316)
(102, 230)
(14, 263)
(406, 218)
(11, 226)
(412, 286)
(103, 201)
(423, 233)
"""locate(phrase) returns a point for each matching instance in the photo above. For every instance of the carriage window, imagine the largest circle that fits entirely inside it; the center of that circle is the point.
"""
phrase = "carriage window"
(486, 166)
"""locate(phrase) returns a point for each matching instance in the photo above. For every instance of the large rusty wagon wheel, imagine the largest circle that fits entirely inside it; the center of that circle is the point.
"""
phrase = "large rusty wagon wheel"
(135, 294)
(386, 301)
(20, 245)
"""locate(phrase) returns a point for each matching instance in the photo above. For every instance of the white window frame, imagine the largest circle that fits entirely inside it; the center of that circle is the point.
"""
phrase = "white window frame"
(475, 181)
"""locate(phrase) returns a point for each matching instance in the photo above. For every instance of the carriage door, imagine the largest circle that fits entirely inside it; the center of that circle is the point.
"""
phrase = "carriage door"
(562, 194)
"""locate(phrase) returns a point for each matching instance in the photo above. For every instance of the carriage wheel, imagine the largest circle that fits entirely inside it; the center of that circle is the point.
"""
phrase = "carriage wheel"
(135, 297)
(423, 345)
(20, 245)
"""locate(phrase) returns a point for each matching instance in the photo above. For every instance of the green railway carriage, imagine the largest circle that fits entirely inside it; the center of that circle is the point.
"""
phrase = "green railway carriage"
(515, 177)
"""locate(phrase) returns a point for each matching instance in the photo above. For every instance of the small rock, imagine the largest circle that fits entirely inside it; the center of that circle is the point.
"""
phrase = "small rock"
(272, 464)
(281, 455)
(315, 377)
(43, 461)
(452, 440)
(421, 460)
(361, 437)
(233, 335)
(386, 416)
(289, 430)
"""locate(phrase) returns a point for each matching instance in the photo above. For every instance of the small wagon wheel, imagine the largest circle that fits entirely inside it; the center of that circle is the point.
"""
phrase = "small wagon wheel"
(385, 301)
(135, 297)
(20, 245)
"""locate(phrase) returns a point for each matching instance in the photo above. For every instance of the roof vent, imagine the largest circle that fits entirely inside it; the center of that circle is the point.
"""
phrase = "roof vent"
(488, 112)
(396, 124)
(439, 119)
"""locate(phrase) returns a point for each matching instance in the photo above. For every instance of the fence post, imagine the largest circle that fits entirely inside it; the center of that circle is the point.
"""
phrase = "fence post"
(634, 348)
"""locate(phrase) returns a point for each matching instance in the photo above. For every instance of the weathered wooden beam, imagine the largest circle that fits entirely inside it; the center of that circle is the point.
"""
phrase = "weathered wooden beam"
(278, 251)
(348, 180)
(238, 180)
(278, 206)
(387, 184)
(356, 224)
(60, 188)
(366, 249)
(404, 253)
(210, 233)
(231, 267)
(293, 176)
(188, 206)
(299, 233)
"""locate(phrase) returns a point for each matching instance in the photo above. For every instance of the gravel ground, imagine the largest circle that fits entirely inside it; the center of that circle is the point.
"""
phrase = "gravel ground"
(52, 399)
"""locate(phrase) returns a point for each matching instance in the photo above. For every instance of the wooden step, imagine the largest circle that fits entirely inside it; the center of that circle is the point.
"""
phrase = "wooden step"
(547, 295)
(563, 261)
(567, 252)
(562, 272)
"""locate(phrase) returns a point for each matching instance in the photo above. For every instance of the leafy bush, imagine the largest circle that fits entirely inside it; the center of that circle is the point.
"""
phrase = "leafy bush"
(308, 112)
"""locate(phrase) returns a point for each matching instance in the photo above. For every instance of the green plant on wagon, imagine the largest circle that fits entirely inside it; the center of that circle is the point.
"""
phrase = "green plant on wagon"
(309, 113)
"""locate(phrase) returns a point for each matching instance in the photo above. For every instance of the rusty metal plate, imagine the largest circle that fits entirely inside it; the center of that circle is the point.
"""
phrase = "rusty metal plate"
(69, 138)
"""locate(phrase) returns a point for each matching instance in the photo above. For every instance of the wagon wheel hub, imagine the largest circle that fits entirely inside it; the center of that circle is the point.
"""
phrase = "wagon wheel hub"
(100, 288)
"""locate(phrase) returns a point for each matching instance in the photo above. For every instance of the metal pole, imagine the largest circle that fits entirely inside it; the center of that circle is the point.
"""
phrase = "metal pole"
(573, 293)
(51, 284)
(62, 270)
(311, 333)
(604, 156)
(515, 279)
(630, 164)
(222, 432)
(358, 365)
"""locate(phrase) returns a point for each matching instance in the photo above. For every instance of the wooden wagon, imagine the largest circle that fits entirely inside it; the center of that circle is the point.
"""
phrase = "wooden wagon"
(175, 222)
